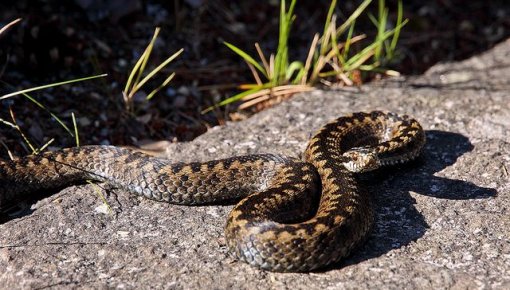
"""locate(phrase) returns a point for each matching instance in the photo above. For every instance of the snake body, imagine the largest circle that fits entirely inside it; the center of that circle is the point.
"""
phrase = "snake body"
(293, 215)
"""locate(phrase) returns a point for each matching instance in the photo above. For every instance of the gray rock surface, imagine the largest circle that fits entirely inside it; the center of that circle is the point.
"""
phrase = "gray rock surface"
(441, 222)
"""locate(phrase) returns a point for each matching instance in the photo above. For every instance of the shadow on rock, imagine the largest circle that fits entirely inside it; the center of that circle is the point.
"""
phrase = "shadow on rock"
(397, 222)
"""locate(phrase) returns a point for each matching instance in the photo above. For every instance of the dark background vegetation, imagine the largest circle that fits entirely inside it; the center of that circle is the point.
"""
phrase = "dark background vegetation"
(61, 40)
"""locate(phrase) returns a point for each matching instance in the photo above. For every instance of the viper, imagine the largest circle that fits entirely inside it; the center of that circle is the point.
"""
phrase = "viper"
(293, 215)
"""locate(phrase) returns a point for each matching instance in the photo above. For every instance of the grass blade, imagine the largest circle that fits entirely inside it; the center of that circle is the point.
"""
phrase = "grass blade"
(398, 27)
(138, 69)
(353, 16)
(51, 85)
(9, 25)
(348, 42)
(329, 21)
(39, 150)
(101, 196)
(292, 68)
(246, 57)
(167, 80)
(49, 112)
(157, 69)
(32, 148)
(262, 57)
(309, 58)
(76, 136)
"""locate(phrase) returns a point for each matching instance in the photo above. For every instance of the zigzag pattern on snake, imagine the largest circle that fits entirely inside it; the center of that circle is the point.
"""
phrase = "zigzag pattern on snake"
(293, 215)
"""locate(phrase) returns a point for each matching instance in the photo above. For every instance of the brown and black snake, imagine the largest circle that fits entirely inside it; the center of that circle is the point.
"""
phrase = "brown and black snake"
(293, 215)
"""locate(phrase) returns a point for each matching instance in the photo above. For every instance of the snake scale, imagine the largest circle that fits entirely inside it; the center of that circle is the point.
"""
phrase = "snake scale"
(293, 215)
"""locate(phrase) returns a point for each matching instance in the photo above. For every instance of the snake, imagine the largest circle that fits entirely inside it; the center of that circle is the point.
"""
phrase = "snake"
(292, 214)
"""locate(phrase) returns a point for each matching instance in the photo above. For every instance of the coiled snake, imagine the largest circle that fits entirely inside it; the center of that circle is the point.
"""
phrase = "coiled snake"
(293, 215)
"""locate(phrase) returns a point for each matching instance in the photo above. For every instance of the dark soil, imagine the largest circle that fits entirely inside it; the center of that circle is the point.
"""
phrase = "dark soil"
(61, 40)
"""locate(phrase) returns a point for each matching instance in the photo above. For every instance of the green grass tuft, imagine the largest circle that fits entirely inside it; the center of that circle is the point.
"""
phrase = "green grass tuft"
(135, 80)
(328, 57)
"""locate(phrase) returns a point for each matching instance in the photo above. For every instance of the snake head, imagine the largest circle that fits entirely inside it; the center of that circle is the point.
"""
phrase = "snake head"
(361, 159)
